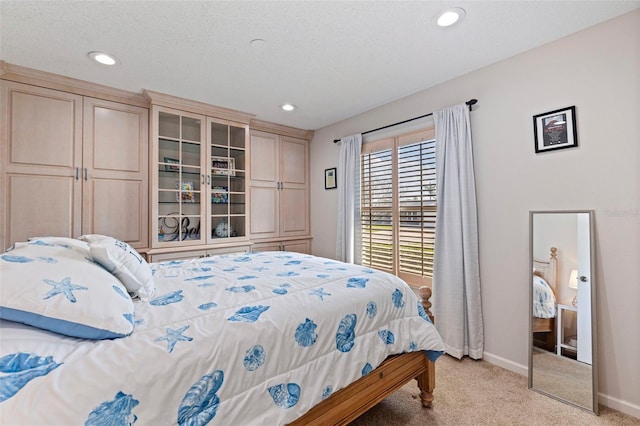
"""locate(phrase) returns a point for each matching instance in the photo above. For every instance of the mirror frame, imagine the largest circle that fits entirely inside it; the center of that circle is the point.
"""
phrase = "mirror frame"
(594, 339)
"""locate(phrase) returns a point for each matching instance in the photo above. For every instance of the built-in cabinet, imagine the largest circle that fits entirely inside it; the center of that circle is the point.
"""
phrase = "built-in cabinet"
(279, 192)
(198, 179)
(174, 178)
(72, 165)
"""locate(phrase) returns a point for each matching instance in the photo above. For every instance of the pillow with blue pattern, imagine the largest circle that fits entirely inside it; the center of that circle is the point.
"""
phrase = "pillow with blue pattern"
(124, 262)
(53, 284)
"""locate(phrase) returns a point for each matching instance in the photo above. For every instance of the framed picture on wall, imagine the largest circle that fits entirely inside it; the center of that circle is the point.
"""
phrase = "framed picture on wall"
(330, 181)
(555, 130)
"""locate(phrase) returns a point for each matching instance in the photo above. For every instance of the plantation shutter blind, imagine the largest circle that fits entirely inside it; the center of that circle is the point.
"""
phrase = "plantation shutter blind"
(376, 205)
(398, 205)
(416, 197)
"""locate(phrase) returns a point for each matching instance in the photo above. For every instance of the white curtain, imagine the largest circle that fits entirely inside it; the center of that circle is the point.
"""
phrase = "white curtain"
(456, 275)
(348, 180)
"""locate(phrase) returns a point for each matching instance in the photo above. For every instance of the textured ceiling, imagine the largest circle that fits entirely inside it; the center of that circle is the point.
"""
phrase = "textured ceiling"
(333, 59)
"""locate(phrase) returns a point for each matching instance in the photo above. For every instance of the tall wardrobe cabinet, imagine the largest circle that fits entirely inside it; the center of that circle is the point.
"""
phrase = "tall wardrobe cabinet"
(71, 165)
(279, 189)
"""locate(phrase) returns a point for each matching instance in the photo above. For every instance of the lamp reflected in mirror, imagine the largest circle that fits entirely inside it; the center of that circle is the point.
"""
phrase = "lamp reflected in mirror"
(573, 283)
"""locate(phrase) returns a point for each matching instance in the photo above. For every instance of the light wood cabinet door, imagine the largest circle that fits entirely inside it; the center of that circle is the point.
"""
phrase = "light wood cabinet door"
(270, 246)
(72, 165)
(298, 246)
(39, 205)
(115, 171)
(264, 186)
(41, 149)
(279, 189)
(294, 188)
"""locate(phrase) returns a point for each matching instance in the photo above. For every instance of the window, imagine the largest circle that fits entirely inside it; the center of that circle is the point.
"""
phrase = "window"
(398, 206)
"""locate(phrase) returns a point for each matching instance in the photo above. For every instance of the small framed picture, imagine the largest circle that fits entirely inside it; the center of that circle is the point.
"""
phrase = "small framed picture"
(172, 165)
(330, 181)
(219, 195)
(223, 166)
(555, 130)
(185, 192)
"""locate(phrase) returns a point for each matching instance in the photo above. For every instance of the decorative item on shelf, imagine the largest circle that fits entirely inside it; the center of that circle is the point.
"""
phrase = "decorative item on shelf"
(330, 181)
(185, 193)
(174, 228)
(555, 130)
(573, 283)
(219, 195)
(223, 166)
(172, 165)
(224, 230)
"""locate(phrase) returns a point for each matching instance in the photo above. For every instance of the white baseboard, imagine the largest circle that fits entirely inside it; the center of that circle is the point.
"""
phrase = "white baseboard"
(506, 363)
(625, 407)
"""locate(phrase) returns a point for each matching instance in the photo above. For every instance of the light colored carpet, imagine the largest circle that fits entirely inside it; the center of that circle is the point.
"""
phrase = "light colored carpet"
(472, 392)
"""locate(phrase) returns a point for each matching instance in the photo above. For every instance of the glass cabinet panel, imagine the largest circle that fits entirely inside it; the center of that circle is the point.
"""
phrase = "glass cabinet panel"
(227, 218)
(179, 191)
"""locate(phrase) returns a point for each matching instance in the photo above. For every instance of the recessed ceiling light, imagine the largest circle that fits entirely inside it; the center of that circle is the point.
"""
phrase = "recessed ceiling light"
(288, 107)
(103, 58)
(257, 43)
(450, 16)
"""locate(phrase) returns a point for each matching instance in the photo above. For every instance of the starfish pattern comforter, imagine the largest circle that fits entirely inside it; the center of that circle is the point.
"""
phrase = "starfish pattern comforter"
(246, 339)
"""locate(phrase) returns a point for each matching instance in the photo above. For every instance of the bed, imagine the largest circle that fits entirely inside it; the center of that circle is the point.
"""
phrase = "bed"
(92, 334)
(544, 307)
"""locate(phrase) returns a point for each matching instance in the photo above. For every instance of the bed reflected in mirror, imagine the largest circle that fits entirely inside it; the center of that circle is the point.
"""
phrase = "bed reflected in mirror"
(562, 357)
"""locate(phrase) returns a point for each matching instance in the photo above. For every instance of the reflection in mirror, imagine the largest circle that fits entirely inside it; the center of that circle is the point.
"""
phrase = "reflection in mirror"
(562, 341)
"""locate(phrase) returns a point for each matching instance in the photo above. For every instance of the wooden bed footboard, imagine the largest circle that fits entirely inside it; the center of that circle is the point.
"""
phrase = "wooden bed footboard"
(347, 404)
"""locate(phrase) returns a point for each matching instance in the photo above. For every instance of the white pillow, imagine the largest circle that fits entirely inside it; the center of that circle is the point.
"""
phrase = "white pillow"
(124, 262)
(54, 285)
(71, 243)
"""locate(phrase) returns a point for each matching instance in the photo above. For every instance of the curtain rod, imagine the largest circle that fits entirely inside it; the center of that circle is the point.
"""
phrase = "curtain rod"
(470, 102)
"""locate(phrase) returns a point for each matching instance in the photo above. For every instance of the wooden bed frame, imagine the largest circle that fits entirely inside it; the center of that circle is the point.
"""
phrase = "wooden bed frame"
(347, 404)
(544, 329)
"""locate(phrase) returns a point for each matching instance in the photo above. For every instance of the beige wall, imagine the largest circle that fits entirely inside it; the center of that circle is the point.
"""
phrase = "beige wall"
(597, 70)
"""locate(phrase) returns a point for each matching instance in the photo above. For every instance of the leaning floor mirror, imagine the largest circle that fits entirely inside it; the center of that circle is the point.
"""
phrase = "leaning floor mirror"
(562, 314)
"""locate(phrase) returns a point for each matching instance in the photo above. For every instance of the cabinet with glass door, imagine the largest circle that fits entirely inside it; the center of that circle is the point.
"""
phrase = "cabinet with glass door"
(178, 190)
(198, 185)
(227, 212)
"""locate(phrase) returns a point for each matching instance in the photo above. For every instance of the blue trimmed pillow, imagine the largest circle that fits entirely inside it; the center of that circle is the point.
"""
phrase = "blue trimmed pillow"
(53, 284)
(124, 262)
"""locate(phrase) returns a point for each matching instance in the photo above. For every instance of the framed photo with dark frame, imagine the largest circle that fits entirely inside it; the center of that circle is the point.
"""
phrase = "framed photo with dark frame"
(555, 130)
(330, 181)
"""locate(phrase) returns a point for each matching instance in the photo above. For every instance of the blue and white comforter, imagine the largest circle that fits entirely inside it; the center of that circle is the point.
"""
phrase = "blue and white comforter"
(230, 340)
(544, 301)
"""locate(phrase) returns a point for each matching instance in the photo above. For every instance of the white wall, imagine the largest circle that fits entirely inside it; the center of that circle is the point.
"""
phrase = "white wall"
(597, 70)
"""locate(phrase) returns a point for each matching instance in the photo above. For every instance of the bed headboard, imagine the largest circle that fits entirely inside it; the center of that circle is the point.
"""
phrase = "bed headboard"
(548, 269)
